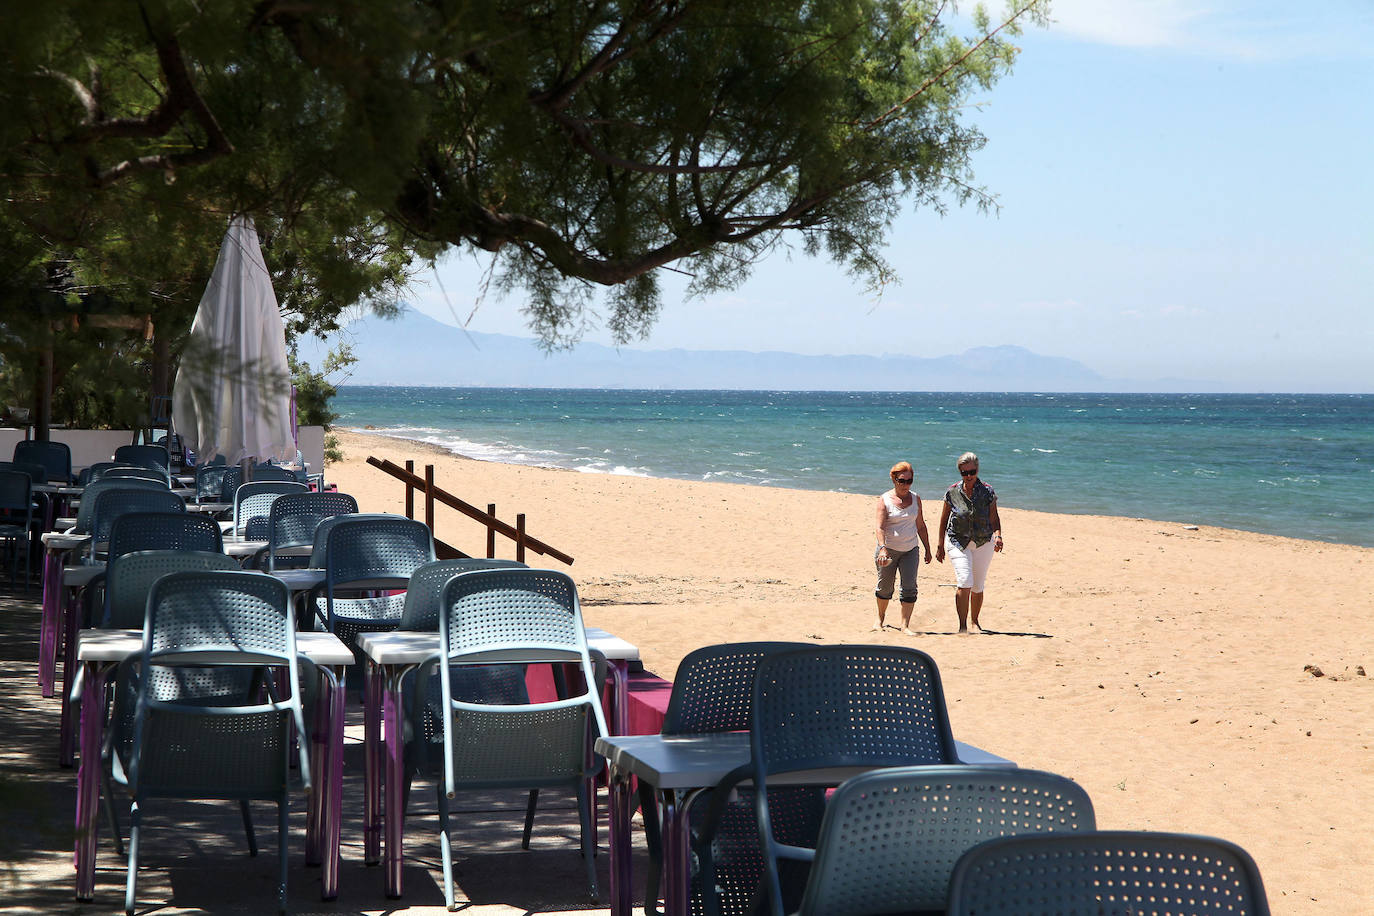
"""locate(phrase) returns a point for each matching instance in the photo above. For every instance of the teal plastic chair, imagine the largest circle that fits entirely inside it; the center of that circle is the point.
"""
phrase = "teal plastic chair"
(208, 722)
(1109, 873)
(17, 521)
(110, 505)
(292, 521)
(56, 458)
(490, 616)
(890, 839)
(362, 554)
(713, 692)
(832, 708)
(253, 503)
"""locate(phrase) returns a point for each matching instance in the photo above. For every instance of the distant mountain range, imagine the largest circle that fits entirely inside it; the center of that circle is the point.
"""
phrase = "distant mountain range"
(417, 350)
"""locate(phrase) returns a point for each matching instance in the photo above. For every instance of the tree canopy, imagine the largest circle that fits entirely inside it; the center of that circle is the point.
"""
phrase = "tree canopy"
(587, 143)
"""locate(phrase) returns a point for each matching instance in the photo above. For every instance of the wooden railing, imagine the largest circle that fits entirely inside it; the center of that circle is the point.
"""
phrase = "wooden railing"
(432, 494)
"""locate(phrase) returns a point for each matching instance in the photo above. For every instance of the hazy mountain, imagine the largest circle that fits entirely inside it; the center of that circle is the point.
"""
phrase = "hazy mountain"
(417, 350)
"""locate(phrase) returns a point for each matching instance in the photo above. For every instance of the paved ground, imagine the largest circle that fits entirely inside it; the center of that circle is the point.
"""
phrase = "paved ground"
(195, 860)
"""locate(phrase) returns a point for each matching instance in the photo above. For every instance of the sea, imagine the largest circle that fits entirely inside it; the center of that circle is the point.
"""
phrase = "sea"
(1299, 465)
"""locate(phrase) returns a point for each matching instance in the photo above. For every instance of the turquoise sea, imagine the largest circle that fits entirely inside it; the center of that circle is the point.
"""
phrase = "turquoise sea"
(1294, 465)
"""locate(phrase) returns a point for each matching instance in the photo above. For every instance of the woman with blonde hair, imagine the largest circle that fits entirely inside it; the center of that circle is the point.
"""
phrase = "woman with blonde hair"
(900, 529)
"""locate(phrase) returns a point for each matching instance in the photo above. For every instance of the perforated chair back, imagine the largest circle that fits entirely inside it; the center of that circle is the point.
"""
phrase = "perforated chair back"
(841, 706)
(202, 728)
(713, 691)
(37, 473)
(85, 512)
(113, 503)
(164, 531)
(515, 616)
(836, 707)
(253, 500)
(1109, 873)
(148, 456)
(368, 553)
(271, 472)
(129, 470)
(422, 607)
(293, 518)
(209, 482)
(130, 577)
(890, 838)
(91, 473)
(17, 519)
(56, 458)
(229, 483)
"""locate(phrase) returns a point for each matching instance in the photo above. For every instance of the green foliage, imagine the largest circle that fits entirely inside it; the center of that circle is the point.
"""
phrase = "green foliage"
(314, 389)
(586, 144)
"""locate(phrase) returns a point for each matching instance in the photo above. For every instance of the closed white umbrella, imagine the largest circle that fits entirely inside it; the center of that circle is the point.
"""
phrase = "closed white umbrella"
(232, 395)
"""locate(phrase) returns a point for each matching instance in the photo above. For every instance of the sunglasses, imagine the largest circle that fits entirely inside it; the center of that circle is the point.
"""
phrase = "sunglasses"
(972, 473)
(903, 479)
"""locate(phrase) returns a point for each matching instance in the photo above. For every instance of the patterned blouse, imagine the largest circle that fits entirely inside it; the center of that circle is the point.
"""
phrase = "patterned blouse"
(970, 517)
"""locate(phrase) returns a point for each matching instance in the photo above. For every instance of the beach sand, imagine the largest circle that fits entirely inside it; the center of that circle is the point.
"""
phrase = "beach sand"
(1163, 668)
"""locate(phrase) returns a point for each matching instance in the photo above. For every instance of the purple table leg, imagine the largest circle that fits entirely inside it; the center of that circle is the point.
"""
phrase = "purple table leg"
(372, 765)
(332, 791)
(677, 880)
(88, 778)
(622, 886)
(394, 812)
(52, 609)
(72, 627)
(315, 806)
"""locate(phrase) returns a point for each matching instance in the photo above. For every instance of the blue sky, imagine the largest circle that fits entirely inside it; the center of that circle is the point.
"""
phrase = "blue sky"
(1184, 191)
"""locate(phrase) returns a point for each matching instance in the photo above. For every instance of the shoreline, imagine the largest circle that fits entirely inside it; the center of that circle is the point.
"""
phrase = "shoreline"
(434, 448)
(1168, 671)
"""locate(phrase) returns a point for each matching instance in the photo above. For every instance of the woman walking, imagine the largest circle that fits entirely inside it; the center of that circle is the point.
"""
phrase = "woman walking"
(900, 529)
(971, 532)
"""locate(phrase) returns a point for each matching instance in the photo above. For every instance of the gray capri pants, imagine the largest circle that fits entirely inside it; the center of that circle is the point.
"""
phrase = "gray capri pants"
(904, 560)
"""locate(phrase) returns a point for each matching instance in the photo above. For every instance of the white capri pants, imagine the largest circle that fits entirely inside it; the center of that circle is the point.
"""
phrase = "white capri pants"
(970, 563)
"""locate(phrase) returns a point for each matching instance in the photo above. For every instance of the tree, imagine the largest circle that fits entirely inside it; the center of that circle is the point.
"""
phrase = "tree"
(590, 143)
(586, 142)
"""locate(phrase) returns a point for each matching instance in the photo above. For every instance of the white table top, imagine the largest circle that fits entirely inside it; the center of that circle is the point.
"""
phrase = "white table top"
(117, 645)
(233, 546)
(696, 761)
(409, 647)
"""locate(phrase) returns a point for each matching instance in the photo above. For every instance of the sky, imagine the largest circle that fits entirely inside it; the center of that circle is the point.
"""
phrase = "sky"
(1184, 191)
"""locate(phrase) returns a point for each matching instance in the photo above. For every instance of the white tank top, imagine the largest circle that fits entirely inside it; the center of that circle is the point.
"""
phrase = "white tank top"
(899, 528)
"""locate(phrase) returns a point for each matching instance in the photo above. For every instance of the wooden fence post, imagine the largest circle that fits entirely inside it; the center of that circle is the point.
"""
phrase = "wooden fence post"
(491, 532)
(410, 490)
(429, 496)
(520, 538)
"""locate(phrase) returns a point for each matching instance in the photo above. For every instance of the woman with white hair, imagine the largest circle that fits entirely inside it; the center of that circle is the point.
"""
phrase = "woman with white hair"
(971, 534)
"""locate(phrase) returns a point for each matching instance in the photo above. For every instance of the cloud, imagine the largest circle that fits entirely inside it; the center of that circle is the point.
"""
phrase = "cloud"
(1239, 29)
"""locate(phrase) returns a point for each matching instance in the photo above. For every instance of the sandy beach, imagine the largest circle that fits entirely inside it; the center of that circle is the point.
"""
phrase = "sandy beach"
(1198, 680)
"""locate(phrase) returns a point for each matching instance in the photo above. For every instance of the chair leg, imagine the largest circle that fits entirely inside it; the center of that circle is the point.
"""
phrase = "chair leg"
(446, 848)
(248, 828)
(584, 814)
(111, 815)
(283, 849)
(131, 882)
(529, 818)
